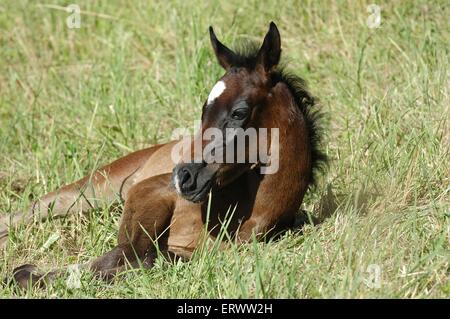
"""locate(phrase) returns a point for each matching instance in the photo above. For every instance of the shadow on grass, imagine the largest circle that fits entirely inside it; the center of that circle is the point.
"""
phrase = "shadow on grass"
(330, 203)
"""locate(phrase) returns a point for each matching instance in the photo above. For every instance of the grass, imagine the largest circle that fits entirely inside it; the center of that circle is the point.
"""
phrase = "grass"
(74, 99)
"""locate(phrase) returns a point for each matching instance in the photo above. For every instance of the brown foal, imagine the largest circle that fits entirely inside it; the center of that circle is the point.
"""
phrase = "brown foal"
(166, 201)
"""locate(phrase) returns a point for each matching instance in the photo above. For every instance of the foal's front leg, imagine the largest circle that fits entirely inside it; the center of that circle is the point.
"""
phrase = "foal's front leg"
(118, 259)
(146, 218)
(144, 225)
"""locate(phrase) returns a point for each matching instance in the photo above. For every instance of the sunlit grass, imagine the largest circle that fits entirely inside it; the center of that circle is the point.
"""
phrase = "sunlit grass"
(72, 100)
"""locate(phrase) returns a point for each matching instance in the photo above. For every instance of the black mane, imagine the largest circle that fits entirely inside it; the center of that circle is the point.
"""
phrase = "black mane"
(246, 55)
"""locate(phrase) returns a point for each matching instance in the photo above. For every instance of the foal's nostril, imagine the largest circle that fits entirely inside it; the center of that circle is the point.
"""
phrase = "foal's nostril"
(187, 181)
(185, 176)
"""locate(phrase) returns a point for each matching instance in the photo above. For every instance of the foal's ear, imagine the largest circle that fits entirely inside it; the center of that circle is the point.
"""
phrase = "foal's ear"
(269, 54)
(224, 55)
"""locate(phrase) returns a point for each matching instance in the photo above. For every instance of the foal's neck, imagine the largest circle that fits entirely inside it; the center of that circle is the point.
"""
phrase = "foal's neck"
(288, 185)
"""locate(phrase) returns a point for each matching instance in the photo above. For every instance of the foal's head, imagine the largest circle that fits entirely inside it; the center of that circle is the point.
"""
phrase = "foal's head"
(235, 102)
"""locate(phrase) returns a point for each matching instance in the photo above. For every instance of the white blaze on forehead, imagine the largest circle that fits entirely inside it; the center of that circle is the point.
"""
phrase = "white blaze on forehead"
(216, 91)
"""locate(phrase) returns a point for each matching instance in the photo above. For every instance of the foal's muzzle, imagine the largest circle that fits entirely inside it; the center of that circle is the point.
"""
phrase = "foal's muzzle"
(193, 181)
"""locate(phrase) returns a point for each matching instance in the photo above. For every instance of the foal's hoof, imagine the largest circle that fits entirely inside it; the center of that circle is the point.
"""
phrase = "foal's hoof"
(27, 275)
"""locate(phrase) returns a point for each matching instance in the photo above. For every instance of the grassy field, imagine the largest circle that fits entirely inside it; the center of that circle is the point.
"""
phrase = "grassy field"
(74, 99)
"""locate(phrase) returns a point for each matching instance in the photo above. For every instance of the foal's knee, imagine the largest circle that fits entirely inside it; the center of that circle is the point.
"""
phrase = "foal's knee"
(147, 213)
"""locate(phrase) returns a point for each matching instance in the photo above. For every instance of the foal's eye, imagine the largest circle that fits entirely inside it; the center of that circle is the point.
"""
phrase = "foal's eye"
(239, 114)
